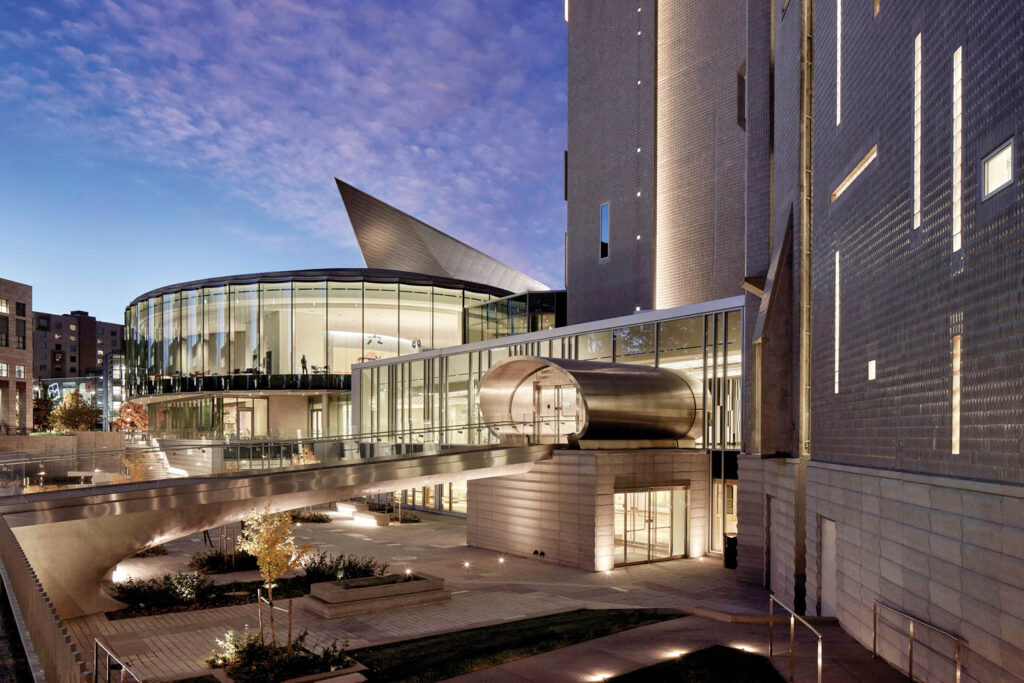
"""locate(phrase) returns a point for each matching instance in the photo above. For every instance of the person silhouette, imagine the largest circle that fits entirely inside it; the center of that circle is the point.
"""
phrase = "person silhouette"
(302, 361)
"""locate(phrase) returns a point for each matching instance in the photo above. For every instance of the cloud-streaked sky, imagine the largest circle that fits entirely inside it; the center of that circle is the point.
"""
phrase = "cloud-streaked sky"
(146, 142)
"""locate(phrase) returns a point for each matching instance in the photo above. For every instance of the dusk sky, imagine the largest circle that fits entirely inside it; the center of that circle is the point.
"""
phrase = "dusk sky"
(148, 143)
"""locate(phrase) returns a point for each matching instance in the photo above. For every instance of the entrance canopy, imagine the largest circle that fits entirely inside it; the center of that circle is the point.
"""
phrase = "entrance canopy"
(557, 400)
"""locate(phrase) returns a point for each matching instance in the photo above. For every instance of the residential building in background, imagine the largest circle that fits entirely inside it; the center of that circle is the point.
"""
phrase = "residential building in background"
(74, 344)
(104, 389)
(15, 357)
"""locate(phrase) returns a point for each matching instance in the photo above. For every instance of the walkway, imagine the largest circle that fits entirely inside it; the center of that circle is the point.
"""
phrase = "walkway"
(486, 592)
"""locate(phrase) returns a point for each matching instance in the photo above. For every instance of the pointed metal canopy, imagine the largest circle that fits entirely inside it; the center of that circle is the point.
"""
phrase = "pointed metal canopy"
(393, 240)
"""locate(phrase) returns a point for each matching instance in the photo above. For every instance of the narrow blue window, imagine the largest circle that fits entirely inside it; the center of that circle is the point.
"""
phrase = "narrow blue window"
(605, 228)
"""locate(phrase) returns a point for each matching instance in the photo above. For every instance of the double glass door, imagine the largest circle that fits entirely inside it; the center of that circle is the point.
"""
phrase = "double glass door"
(650, 525)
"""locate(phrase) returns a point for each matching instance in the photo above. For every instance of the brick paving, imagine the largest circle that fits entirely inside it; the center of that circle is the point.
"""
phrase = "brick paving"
(487, 592)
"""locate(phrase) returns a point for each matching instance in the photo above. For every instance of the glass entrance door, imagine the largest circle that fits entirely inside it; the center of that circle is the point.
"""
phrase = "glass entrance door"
(650, 524)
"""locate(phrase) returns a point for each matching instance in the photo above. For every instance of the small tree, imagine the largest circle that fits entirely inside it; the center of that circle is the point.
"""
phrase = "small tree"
(268, 535)
(41, 409)
(73, 414)
(132, 417)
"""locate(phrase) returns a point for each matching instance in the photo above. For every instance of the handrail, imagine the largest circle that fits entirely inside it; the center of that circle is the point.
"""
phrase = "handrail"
(97, 645)
(793, 617)
(48, 645)
(960, 642)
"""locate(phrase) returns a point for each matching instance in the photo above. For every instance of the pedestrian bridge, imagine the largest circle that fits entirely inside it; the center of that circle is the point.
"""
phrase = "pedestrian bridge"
(74, 538)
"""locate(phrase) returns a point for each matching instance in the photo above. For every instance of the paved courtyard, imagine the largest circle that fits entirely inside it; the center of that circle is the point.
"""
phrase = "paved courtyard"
(485, 592)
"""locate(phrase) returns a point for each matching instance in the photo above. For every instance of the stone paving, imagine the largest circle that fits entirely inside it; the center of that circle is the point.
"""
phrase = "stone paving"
(485, 592)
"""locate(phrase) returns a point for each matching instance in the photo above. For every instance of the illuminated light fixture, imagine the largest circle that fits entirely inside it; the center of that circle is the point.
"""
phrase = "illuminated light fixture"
(466, 564)
(600, 677)
(855, 173)
(638, 194)
(639, 32)
(672, 654)
(637, 150)
(637, 309)
(119, 575)
(638, 81)
(408, 572)
(501, 560)
(565, 10)
(638, 238)
(871, 370)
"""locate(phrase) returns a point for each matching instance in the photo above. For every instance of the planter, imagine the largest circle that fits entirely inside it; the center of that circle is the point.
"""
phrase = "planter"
(338, 599)
(378, 518)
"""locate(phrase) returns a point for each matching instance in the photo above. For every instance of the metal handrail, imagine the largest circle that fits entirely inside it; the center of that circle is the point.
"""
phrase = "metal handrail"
(96, 647)
(960, 642)
(793, 618)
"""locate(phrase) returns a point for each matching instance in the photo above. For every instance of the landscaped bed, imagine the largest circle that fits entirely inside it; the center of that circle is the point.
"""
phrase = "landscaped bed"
(715, 664)
(452, 654)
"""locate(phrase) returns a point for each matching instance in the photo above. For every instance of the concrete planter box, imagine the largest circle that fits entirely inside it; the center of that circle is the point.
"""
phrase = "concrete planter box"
(337, 599)
(378, 518)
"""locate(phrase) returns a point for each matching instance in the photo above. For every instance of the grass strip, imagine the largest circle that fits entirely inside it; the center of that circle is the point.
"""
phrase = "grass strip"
(715, 664)
(446, 655)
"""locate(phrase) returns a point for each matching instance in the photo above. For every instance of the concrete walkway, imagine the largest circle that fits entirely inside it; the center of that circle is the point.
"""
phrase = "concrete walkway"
(486, 592)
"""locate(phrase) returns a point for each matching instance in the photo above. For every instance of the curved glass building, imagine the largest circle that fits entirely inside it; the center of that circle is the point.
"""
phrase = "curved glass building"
(207, 355)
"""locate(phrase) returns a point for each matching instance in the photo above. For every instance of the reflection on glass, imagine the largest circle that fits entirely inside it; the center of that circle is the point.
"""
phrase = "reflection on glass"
(192, 332)
(344, 325)
(215, 330)
(142, 339)
(310, 305)
(635, 344)
(594, 346)
(171, 334)
(156, 338)
(276, 328)
(245, 325)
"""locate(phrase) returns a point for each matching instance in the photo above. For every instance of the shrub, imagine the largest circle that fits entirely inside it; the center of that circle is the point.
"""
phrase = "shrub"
(321, 566)
(168, 591)
(152, 552)
(407, 518)
(380, 507)
(216, 562)
(246, 660)
(310, 517)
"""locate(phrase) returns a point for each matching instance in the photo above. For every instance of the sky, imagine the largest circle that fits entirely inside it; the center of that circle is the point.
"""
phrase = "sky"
(144, 143)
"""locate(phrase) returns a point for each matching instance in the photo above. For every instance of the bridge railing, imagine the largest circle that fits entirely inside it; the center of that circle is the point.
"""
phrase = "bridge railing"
(48, 645)
(153, 458)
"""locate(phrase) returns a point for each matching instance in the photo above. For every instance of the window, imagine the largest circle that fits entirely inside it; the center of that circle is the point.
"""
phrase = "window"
(3, 369)
(19, 334)
(855, 173)
(835, 333)
(19, 309)
(19, 372)
(4, 331)
(956, 395)
(4, 306)
(917, 129)
(871, 370)
(72, 327)
(877, 7)
(999, 169)
(19, 341)
(839, 60)
(605, 229)
(958, 144)
(741, 96)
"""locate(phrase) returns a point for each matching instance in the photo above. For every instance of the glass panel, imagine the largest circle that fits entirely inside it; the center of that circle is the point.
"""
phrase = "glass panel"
(310, 305)
(215, 330)
(245, 326)
(380, 321)
(156, 338)
(276, 328)
(733, 378)
(344, 325)
(142, 340)
(448, 317)
(414, 319)
(367, 394)
(716, 515)
(619, 532)
(660, 508)
(595, 346)
(636, 527)
(457, 407)
(171, 334)
(192, 331)
(635, 344)
(458, 497)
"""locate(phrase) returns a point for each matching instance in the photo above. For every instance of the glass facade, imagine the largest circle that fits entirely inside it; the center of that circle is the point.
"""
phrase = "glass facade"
(284, 335)
(434, 400)
(518, 314)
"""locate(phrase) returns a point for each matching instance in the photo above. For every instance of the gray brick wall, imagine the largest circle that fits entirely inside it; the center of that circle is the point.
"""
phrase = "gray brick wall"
(900, 286)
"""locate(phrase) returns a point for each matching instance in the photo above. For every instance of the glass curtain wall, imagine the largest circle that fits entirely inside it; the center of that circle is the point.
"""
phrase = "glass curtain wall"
(380, 321)
(310, 311)
(276, 328)
(215, 331)
(442, 393)
(415, 319)
(245, 328)
(344, 325)
(156, 338)
(170, 352)
(192, 333)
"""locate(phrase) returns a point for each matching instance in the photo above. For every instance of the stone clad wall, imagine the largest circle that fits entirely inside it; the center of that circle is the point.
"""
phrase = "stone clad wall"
(564, 506)
(948, 551)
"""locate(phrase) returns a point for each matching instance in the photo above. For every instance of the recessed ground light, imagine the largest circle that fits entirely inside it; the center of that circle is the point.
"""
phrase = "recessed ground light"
(501, 560)
(466, 565)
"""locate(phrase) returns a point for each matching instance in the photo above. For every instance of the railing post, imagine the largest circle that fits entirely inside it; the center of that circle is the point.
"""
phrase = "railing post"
(95, 661)
(819, 659)
(792, 642)
(771, 624)
(911, 649)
